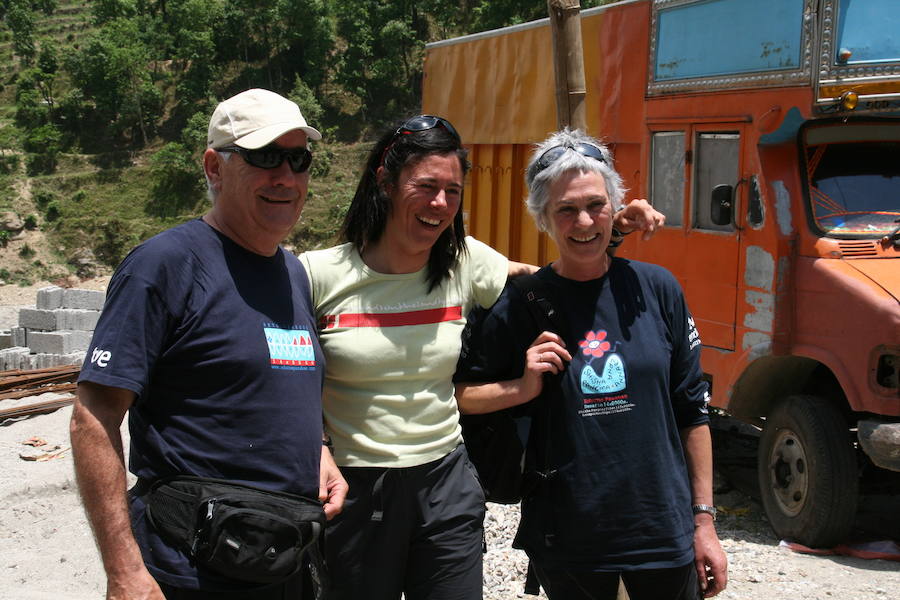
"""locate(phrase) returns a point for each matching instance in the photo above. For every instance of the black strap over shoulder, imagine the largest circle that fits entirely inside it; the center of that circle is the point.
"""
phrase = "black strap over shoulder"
(546, 317)
(538, 299)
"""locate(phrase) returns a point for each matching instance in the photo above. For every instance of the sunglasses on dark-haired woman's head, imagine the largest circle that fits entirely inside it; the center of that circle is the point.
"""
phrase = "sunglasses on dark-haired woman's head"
(424, 123)
(417, 124)
(271, 157)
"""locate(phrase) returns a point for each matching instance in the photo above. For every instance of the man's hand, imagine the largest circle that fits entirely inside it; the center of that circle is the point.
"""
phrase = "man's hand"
(709, 558)
(638, 215)
(139, 585)
(332, 485)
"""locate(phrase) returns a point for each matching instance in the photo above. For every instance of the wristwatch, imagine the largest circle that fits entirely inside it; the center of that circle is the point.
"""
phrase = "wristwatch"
(704, 508)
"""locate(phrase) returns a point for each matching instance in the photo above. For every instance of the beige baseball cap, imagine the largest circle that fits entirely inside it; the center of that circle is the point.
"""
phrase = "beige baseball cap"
(255, 118)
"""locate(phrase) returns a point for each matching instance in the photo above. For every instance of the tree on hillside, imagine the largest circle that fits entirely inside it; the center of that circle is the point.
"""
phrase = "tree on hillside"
(382, 62)
(112, 74)
(274, 40)
(19, 16)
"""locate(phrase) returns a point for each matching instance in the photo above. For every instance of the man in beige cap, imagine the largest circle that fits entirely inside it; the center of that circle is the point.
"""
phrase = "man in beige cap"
(208, 341)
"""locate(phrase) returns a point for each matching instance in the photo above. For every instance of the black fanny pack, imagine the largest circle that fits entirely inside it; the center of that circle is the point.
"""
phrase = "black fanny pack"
(239, 531)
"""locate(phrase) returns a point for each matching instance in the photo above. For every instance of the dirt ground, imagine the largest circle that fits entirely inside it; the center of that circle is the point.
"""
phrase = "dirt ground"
(47, 552)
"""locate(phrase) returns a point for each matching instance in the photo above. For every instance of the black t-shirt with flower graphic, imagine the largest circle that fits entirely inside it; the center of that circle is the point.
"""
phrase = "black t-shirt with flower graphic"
(621, 498)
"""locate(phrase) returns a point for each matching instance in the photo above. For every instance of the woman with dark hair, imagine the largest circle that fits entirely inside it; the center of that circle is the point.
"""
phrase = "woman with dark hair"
(391, 303)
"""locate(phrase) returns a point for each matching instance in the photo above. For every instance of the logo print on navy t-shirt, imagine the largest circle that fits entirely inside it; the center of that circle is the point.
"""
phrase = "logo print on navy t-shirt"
(290, 348)
(612, 377)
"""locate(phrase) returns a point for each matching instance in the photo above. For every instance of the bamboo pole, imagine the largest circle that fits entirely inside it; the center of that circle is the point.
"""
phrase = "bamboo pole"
(568, 60)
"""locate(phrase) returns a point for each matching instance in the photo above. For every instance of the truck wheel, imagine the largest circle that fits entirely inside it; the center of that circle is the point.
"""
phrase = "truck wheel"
(807, 471)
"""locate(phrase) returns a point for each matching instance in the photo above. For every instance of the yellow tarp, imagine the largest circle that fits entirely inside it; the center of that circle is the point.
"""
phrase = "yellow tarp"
(474, 86)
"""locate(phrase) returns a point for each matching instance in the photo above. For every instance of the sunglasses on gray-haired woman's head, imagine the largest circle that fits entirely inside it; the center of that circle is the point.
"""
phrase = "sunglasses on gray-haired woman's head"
(551, 155)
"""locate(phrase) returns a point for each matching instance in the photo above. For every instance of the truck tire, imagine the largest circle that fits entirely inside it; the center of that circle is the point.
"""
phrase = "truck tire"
(808, 476)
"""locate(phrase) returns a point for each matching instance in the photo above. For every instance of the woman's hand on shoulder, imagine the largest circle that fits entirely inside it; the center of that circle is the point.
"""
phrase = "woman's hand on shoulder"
(639, 215)
(547, 354)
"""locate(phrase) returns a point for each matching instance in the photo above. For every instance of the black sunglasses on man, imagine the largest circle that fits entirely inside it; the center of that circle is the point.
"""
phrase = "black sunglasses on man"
(271, 157)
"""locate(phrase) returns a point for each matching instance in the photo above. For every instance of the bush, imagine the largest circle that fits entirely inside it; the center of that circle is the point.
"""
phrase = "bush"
(43, 199)
(52, 213)
(176, 187)
(4, 238)
(306, 100)
(31, 222)
(44, 143)
(9, 164)
(26, 252)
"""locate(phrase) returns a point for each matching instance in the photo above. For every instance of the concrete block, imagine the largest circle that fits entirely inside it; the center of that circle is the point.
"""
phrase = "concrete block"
(60, 318)
(59, 342)
(49, 298)
(80, 320)
(5, 340)
(83, 299)
(39, 319)
(19, 336)
(75, 358)
(12, 358)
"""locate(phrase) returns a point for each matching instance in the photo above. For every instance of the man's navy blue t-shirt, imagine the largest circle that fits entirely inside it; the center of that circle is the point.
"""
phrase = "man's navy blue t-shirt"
(621, 498)
(219, 345)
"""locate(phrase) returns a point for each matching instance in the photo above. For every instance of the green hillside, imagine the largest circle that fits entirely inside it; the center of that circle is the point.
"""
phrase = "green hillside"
(104, 105)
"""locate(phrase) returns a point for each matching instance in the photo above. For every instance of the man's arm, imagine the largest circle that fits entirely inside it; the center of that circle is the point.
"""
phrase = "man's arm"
(709, 559)
(100, 471)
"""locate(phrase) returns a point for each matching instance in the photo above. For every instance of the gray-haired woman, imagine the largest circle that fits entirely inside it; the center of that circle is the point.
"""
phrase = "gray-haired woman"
(631, 450)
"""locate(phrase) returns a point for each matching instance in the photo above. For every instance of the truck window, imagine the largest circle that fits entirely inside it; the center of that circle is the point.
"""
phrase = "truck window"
(854, 178)
(667, 175)
(716, 157)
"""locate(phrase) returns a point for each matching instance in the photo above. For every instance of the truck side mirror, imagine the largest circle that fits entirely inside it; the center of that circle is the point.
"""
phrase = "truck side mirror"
(720, 209)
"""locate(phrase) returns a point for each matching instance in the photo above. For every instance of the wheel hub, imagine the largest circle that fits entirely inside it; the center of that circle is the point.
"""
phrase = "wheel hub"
(788, 472)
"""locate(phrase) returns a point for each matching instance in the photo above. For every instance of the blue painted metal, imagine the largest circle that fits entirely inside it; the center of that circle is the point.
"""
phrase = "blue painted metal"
(870, 29)
(787, 131)
(725, 37)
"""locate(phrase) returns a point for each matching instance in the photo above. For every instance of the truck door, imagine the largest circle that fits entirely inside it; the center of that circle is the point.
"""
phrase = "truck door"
(686, 163)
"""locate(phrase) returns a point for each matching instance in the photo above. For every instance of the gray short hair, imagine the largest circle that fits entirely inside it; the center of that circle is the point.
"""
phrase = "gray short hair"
(539, 180)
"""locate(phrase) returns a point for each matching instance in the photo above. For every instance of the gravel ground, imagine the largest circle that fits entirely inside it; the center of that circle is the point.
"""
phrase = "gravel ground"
(46, 549)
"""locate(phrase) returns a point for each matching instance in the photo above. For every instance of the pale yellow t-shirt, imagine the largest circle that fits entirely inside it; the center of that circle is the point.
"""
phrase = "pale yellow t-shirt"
(391, 350)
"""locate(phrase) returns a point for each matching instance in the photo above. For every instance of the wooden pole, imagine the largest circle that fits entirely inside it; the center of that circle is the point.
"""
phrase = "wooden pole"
(568, 60)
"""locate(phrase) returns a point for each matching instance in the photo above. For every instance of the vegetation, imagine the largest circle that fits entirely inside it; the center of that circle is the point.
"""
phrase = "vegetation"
(104, 104)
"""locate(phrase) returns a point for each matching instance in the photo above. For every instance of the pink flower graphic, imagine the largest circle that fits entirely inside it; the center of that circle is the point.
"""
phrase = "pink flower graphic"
(594, 344)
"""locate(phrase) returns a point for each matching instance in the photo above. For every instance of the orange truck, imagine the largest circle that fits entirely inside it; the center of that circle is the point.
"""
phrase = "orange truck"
(768, 133)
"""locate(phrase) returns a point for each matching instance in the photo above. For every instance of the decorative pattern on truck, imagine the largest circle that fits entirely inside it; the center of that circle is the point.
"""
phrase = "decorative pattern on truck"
(693, 45)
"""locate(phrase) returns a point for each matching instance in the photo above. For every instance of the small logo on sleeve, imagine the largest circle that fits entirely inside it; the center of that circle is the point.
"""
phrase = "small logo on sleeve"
(693, 334)
(100, 357)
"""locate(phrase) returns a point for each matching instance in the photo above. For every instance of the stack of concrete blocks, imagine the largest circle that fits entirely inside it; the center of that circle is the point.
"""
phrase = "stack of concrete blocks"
(56, 332)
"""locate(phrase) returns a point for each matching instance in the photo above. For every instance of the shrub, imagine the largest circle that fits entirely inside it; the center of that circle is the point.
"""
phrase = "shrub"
(9, 164)
(52, 213)
(26, 252)
(43, 198)
(31, 222)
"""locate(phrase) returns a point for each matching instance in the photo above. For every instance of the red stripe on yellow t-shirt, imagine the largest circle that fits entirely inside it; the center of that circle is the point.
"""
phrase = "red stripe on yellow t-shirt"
(415, 317)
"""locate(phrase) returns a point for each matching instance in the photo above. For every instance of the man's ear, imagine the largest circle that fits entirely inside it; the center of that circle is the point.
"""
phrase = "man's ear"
(212, 166)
